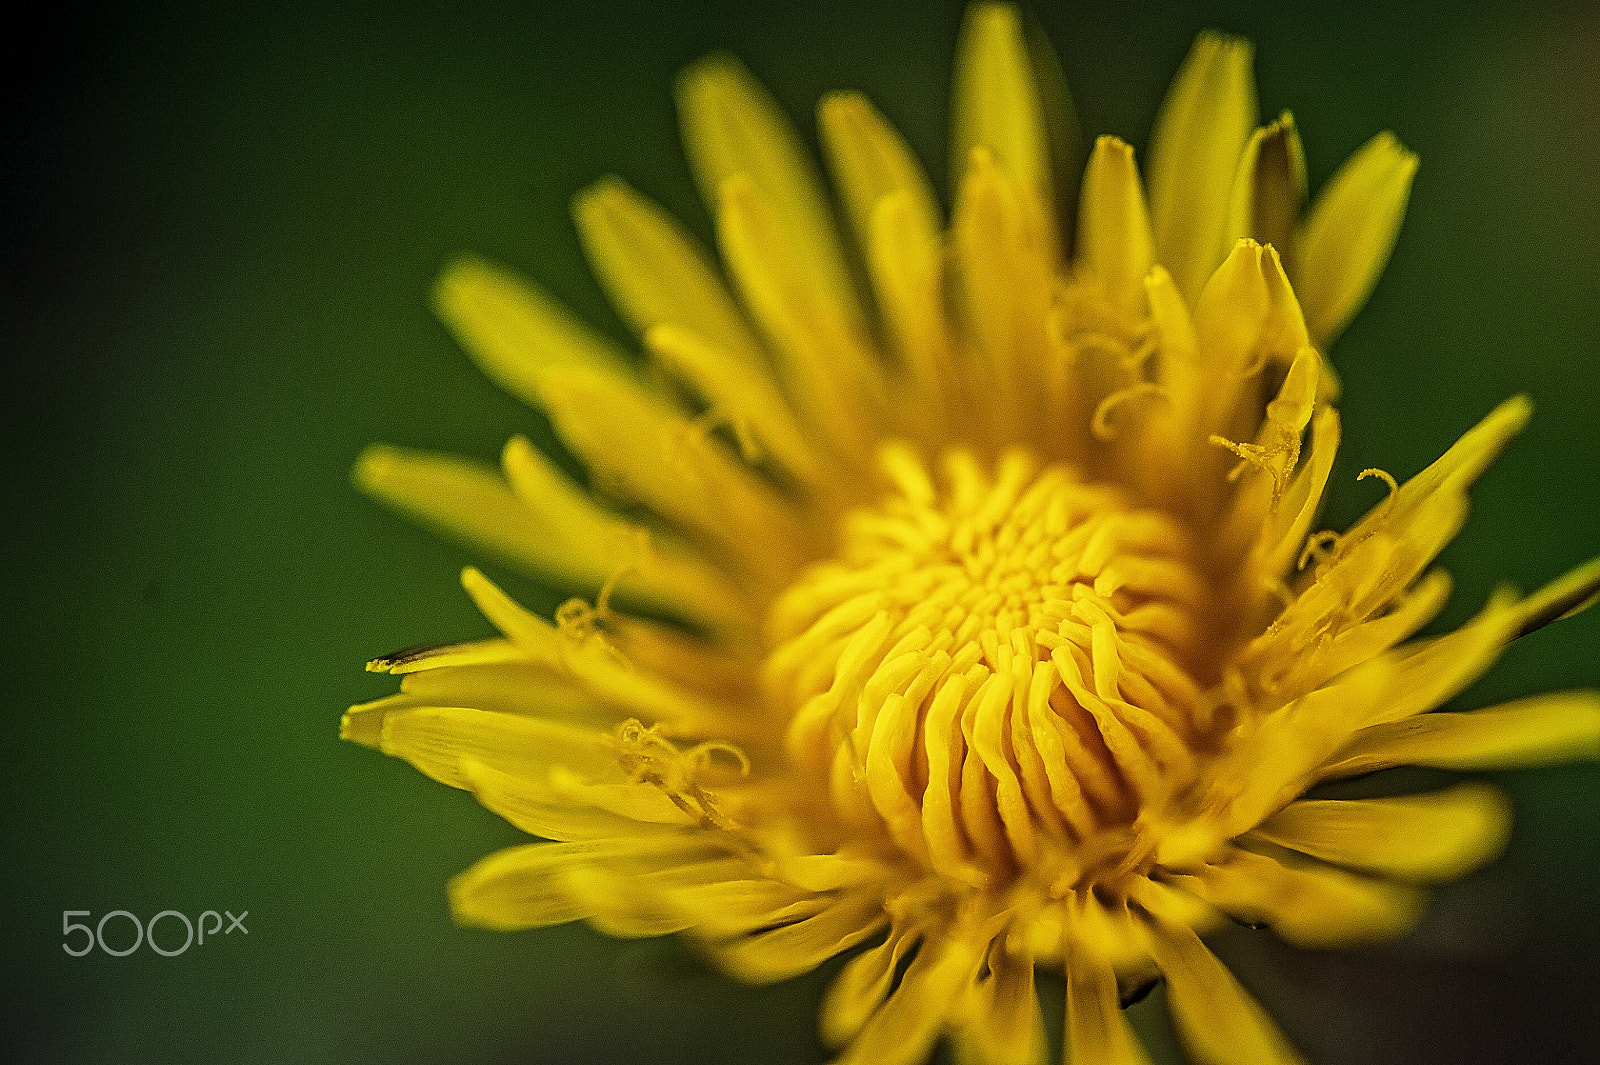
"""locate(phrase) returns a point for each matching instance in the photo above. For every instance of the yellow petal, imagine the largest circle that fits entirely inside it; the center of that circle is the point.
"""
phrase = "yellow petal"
(526, 886)
(1427, 672)
(1433, 837)
(1350, 233)
(592, 664)
(1317, 907)
(1218, 1021)
(416, 660)
(1003, 1024)
(728, 907)
(544, 525)
(616, 907)
(1284, 537)
(436, 739)
(780, 953)
(731, 127)
(1005, 269)
(870, 160)
(997, 106)
(541, 808)
(526, 686)
(1199, 136)
(1231, 312)
(761, 419)
(1269, 189)
(827, 366)
(906, 258)
(598, 546)
(1378, 558)
(903, 1030)
(538, 637)
(1561, 599)
(1539, 730)
(467, 501)
(860, 988)
(1364, 641)
(1097, 1029)
(1277, 761)
(1114, 237)
(667, 463)
(655, 272)
(513, 331)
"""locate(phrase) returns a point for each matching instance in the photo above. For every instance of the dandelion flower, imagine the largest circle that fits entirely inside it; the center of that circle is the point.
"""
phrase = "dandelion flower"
(954, 593)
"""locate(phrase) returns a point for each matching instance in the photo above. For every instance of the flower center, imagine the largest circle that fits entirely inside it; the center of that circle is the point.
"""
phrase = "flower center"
(997, 677)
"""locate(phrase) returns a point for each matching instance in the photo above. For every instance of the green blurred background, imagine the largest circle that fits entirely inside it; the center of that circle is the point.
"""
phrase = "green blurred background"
(220, 223)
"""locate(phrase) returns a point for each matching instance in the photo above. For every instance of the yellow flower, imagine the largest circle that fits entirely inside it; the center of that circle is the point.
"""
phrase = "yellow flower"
(975, 615)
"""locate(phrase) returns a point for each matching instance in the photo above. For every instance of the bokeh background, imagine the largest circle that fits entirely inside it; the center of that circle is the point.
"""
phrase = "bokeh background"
(220, 224)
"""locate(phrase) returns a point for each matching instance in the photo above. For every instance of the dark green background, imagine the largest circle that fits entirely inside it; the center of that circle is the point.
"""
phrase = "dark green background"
(220, 227)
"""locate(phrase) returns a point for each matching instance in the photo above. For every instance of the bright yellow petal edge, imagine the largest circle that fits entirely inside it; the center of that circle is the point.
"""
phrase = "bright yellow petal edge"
(978, 622)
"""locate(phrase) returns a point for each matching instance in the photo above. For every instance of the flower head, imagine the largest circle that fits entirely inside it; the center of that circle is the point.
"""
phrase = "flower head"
(977, 619)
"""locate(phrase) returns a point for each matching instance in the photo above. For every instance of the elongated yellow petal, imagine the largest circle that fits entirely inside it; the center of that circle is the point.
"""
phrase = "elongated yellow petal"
(544, 525)
(1114, 237)
(731, 127)
(654, 272)
(415, 660)
(860, 988)
(1372, 565)
(780, 953)
(1278, 760)
(436, 739)
(467, 501)
(1097, 1030)
(903, 1030)
(526, 886)
(1218, 1021)
(1195, 147)
(669, 464)
(526, 686)
(996, 104)
(1284, 537)
(1317, 907)
(1350, 233)
(1438, 836)
(1003, 1024)
(1538, 730)
(598, 546)
(1269, 190)
(870, 160)
(761, 420)
(723, 905)
(514, 889)
(545, 808)
(513, 331)
(905, 256)
(593, 666)
(540, 639)
(826, 363)
(1004, 283)
(1562, 598)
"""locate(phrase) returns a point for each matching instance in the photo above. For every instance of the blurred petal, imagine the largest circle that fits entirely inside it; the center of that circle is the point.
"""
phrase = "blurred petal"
(1433, 837)
(1350, 233)
(1199, 135)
